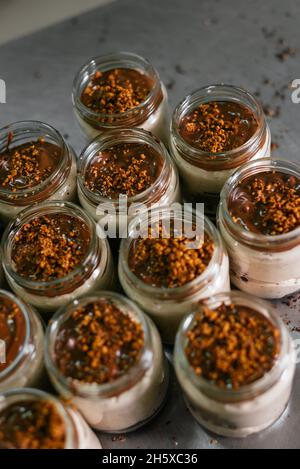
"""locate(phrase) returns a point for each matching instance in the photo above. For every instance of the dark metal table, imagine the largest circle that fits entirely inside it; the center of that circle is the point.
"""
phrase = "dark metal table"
(192, 43)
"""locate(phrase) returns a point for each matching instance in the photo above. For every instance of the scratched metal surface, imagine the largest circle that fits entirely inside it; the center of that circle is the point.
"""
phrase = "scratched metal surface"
(192, 43)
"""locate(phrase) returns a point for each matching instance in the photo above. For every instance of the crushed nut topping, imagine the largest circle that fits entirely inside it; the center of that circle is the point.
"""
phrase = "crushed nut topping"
(125, 168)
(116, 91)
(28, 165)
(218, 126)
(98, 343)
(31, 425)
(267, 203)
(232, 345)
(50, 247)
(169, 262)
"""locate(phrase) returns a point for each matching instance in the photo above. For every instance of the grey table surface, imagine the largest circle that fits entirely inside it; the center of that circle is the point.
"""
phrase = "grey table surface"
(192, 43)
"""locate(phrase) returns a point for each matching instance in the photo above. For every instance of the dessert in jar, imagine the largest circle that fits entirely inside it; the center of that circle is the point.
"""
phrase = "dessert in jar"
(213, 132)
(21, 344)
(32, 419)
(235, 362)
(36, 165)
(105, 356)
(259, 219)
(53, 254)
(171, 264)
(128, 166)
(120, 90)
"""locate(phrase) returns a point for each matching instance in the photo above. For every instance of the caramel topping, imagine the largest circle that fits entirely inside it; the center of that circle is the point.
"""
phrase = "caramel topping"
(50, 247)
(267, 203)
(31, 425)
(116, 91)
(232, 345)
(25, 166)
(169, 262)
(218, 126)
(98, 343)
(12, 330)
(125, 168)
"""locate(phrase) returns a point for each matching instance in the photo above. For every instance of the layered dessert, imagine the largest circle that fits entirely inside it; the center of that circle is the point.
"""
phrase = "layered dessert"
(30, 419)
(33, 167)
(129, 164)
(165, 272)
(107, 357)
(234, 361)
(214, 131)
(260, 223)
(53, 255)
(21, 337)
(120, 90)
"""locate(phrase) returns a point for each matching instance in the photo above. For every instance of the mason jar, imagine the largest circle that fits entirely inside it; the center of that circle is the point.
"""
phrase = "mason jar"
(152, 114)
(252, 407)
(128, 400)
(264, 265)
(94, 271)
(22, 343)
(204, 173)
(57, 159)
(74, 430)
(163, 190)
(167, 306)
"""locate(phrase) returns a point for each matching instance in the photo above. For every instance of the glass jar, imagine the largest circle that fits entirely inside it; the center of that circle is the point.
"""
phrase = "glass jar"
(203, 173)
(95, 272)
(151, 115)
(167, 306)
(78, 435)
(163, 192)
(252, 407)
(263, 265)
(128, 401)
(27, 367)
(59, 185)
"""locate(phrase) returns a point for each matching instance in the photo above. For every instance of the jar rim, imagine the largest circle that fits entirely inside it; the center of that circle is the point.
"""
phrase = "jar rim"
(17, 394)
(206, 94)
(21, 130)
(237, 230)
(110, 138)
(53, 206)
(108, 61)
(175, 212)
(24, 348)
(256, 387)
(94, 390)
